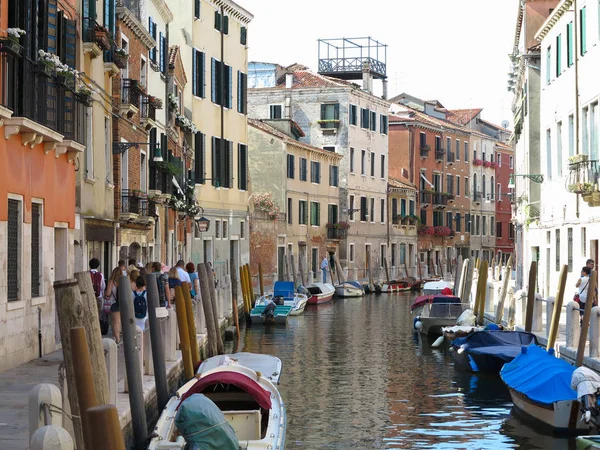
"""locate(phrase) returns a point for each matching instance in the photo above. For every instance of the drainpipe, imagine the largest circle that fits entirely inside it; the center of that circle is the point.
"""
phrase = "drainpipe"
(40, 330)
(577, 49)
(222, 84)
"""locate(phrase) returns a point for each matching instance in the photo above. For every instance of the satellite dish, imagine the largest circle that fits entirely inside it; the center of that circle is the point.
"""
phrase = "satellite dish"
(505, 123)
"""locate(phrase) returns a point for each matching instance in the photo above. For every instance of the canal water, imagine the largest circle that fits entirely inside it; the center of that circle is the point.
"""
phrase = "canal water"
(356, 376)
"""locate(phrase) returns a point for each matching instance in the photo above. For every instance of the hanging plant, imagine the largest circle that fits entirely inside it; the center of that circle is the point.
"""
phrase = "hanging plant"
(264, 202)
(173, 103)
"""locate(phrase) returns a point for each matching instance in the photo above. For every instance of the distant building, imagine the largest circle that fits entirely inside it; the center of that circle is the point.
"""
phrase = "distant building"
(303, 181)
(338, 117)
(505, 230)
(403, 224)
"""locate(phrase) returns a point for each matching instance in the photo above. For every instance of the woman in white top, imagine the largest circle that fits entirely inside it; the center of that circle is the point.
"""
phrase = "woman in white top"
(584, 285)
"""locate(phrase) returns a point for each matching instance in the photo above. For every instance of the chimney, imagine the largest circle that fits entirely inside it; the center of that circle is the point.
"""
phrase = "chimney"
(289, 80)
(367, 78)
(385, 89)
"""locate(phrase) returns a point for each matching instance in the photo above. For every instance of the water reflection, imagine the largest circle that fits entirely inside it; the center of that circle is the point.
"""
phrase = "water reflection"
(356, 376)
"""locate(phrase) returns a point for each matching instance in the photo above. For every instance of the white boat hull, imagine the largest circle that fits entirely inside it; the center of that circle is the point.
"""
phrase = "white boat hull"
(298, 304)
(348, 290)
(167, 438)
(557, 416)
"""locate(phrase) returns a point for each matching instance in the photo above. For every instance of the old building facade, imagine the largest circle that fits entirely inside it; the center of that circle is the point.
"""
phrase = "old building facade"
(339, 117)
(303, 181)
(402, 223)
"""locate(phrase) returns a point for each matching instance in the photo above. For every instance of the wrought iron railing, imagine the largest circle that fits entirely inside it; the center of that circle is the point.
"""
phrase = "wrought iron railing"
(30, 92)
(336, 65)
(439, 154)
(130, 93)
(129, 202)
(440, 199)
(147, 207)
(425, 197)
(450, 157)
(337, 233)
(583, 176)
(425, 150)
(148, 110)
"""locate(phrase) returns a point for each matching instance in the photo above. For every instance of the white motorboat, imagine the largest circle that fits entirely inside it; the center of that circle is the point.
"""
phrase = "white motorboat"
(285, 289)
(436, 287)
(243, 387)
(320, 293)
(443, 311)
(349, 289)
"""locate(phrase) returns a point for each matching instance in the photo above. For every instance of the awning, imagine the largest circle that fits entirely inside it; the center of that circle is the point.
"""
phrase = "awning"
(426, 180)
(176, 184)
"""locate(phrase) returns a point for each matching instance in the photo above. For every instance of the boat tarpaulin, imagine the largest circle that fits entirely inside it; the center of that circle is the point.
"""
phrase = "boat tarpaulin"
(505, 345)
(540, 376)
(203, 426)
(239, 380)
(585, 381)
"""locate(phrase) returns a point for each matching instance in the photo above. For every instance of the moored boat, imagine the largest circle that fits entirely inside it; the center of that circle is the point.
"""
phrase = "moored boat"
(443, 311)
(488, 351)
(320, 293)
(349, 289)
(436, 287)
(394, 286)
(285, 290)
(422, 300)
(270, 314)
(540, 387)
(243, 387)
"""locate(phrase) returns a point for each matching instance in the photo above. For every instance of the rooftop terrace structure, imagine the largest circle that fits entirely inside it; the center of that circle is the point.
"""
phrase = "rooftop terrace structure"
(350, 58)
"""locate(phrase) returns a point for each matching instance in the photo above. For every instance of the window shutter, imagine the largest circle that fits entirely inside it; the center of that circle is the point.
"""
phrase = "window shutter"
(70, 42)
(213, 63)
(197, 9)
(225, 24)
(52, 27)
(230, 91)
(202, 75)
(215, 161)
(239, 91)
(199, 157)
(160, 51)
(194, 74)
(165, 52)
(230, 157)
(336, 111)
(217, 20)
(323, 112)
(223, 163)
(330, 175)
(243, 35)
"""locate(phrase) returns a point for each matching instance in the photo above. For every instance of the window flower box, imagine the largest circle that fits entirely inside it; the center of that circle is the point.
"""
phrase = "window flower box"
(44, 68)
(487, 164)
(101, 36)
(10, 46)
(120, 58)
(477, 162)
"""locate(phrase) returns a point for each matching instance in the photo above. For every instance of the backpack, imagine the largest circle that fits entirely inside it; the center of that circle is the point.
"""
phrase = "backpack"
(140, 305)
(96, 282)
(162, 295)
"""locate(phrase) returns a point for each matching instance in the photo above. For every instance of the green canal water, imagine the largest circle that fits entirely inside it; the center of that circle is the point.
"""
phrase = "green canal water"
(356, 376)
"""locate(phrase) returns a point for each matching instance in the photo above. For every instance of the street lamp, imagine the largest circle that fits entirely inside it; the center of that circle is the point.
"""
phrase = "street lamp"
(121, 147)
(536, 178)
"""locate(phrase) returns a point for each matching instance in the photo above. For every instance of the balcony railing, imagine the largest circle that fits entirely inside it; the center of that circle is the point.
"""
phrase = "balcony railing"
(148, 110)
(439, 154)
(29, 92)
(425, 197)
(583, 175)
(477, 196)
(130, 93)
(130, 204)
(450, 157)
(337, 234)
(425, 150)
(440, 200)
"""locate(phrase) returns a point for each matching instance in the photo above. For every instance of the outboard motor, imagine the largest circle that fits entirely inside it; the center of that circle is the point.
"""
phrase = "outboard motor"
(303, 290)
(269, 311)
(278, 300)
(587, 384)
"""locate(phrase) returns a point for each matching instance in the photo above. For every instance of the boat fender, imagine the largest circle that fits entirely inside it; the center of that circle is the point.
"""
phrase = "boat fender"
(438, 342)
(415, 320)
(418, 325)
(473, 365)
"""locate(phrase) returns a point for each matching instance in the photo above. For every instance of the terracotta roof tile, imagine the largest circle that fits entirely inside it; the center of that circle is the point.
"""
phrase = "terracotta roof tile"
(463, 116)
(173, 51)
(394, 182)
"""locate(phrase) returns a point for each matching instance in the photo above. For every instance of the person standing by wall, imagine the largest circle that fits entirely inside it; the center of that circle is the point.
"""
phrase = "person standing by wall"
(324, 267)
(191, 270)
(164, 294)
(184, 276)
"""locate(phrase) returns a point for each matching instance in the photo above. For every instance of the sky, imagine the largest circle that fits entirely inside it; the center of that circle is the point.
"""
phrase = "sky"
(454, 51)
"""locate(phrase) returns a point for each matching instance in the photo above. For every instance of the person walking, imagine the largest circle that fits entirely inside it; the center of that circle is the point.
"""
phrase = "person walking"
(133, 276)
(191, 270)
(174, 281)
(184, 276)
(140, 303)
(123, 267)
(583, 286)
(324, 267)
(164, 294)
(111, 295)
(590, 264)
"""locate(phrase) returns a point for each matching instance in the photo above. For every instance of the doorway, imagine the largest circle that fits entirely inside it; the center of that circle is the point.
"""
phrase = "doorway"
(280, 263)
(594, 250)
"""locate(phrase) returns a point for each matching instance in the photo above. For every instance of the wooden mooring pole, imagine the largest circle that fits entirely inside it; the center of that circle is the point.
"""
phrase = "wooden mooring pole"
(208, 312)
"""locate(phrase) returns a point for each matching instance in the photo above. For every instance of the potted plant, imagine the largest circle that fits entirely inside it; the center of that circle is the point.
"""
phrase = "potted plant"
(11, 42)
(155, 101)
(101, 36)
(578, 158)
(120, 58)
(173, 103)
(85, 94)
(185, 123)
(580, 188)
(66, 76)
(425, 230)
(487, 164)
(477, 162)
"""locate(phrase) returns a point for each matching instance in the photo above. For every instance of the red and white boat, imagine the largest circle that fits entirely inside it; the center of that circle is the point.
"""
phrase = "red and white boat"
(320, 293)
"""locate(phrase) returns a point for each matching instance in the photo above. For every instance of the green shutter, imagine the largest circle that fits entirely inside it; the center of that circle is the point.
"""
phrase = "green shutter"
(197, 9)
(215, 160)
(218, 20)
(194, 73)
(570, 44)
(558, 55)
(583, 30)
(213, 63)
(230, 163)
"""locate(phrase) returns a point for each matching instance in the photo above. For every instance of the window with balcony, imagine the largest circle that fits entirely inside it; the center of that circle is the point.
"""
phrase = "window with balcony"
(411, 207)
(330, 115)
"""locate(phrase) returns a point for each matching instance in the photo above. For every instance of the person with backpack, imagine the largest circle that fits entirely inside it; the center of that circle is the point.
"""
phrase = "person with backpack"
(140, 303)
(99, 286)
(164, 293)
(111, 299)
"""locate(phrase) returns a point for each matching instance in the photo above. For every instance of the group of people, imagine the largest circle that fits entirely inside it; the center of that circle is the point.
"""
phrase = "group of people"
(167, 279)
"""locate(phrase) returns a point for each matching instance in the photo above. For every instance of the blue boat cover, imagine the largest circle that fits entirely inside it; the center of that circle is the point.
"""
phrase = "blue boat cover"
(540, 376)
(203, 425)
(446, 299)
(284, 289)
(505, 345)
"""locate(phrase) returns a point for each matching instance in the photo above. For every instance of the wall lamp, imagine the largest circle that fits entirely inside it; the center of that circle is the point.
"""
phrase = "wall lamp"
(121, 147)
(536, 178)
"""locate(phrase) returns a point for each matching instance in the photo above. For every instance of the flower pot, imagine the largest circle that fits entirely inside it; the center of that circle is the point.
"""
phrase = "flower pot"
(10, 46)
(120, 60)
(45, 69)
(66, 81)
(101, 37)
(596, 196)
(85, 99)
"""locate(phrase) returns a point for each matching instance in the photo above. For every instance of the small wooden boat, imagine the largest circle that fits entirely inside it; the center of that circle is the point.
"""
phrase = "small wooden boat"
(540, 387)
(278, 316)
(320, 293)
(243, 387)
(394, 286)
(443, 311)
(417, 307)
(349, 289)
(488, 351)
(285, 290)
